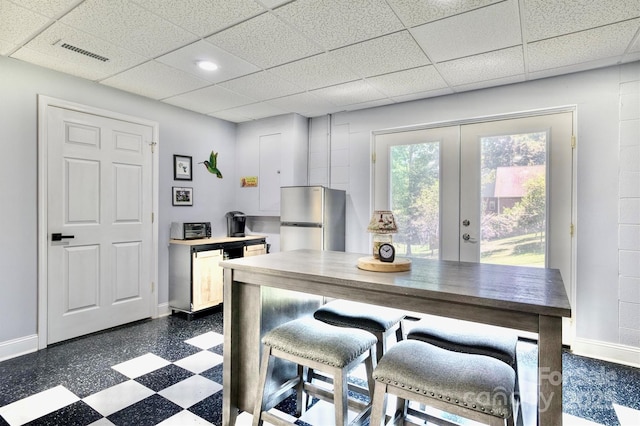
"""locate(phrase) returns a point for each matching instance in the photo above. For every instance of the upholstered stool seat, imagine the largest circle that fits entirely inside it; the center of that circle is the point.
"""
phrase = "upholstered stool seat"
(467, 337)
(379, 320)
(318, 346)
(473, 386)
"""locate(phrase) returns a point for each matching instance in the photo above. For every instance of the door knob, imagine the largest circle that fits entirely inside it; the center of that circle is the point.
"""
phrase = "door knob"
(59, 237)
(467, 238)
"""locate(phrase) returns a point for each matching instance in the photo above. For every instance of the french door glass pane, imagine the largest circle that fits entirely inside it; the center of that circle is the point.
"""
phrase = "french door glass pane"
(514, 193)
(414, 184)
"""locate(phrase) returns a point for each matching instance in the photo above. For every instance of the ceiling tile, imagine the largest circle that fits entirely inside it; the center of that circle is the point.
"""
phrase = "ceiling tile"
(305, 104)
(155, 80)
(337, 23)
(549, 18)
(6, 47)
(209, 100)
(315, 72)
(490, 83)
(486, 66)
(229, 66)
(349, 93)
(370, 104)
(18, 23)
(610, 41)
(401, 83)
(482, 30)
(423, 95)
(265, 41)
(382, 55)
(203, 17)
(49, 44)
(273, 3)
(413, 12)
(48, 8)
(230, 115)
(261, 86)
(128, 25)
(255, 111)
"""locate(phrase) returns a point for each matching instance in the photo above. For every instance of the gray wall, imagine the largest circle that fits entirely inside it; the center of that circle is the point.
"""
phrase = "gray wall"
(599, 96)
(181, 132)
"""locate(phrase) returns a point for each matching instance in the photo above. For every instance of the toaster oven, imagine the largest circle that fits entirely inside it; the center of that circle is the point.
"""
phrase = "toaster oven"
(190, 230)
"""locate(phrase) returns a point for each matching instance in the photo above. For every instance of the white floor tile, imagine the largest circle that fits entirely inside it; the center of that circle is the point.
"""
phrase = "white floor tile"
(190, 391)
(246, 419)
(102, 422)
(627, 416)
(184, 418)
(202, 361)
(206, 340)
(117, 397)
(141, 365)
(322, 413)
(38, 405)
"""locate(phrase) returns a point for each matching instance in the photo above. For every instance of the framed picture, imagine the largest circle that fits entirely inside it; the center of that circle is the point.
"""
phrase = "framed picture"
(181, 167)
(182, 196)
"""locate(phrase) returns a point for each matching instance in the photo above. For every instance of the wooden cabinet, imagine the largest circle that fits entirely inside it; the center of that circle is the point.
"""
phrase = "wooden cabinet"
(195, 277)
(274, 150)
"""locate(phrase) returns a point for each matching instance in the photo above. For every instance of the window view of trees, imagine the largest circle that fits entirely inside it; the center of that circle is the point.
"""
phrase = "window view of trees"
(513, 188)
(415, 198)
(513, 213)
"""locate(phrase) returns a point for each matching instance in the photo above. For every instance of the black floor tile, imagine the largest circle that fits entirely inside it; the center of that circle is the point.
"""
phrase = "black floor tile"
(164, 377)
(76, 414)
(148, 412)
(209, 408)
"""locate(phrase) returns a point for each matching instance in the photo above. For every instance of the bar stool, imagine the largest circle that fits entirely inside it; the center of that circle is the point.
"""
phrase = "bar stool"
(317, 346)
(471, 338)
(379, 320)
(475, 387)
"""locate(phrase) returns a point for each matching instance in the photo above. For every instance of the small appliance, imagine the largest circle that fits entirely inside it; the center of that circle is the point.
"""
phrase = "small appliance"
(235, 224)
(190, 230)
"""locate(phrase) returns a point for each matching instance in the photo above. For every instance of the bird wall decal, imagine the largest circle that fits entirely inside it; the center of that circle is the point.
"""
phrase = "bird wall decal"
(212, 164)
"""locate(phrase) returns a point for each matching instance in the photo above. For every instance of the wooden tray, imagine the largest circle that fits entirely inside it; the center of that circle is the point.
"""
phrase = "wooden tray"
(372, 264)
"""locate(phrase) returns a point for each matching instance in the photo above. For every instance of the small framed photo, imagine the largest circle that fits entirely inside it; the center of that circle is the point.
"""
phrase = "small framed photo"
(181, 167)
(182, 196)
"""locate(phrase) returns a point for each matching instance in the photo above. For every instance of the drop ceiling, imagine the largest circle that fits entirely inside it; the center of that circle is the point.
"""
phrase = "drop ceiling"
(315, 57)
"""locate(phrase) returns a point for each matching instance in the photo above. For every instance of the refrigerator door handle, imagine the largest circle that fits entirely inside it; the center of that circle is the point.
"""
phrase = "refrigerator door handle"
(301, 225)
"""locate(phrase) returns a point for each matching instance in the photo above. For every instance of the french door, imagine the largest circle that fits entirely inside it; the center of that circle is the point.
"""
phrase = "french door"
(492, 192)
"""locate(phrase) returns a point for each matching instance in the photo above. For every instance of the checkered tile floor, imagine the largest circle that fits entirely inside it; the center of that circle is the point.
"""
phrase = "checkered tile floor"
(169, 372)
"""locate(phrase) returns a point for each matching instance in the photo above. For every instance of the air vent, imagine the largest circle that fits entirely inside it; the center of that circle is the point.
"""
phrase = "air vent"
(84, 52)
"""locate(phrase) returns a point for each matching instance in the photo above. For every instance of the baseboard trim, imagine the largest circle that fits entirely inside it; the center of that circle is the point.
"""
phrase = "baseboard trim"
(16, 347)
(620, 354)
(164, 310)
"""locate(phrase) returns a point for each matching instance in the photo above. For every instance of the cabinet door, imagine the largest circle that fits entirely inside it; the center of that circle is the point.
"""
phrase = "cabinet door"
(255, 250)
(207, 279)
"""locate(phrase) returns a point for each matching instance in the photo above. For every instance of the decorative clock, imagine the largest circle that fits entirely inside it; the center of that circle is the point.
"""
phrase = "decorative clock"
(387, 253)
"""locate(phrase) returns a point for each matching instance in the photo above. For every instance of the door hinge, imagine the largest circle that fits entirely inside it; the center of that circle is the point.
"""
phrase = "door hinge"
(572, 229)
(153, 146)
(152, 217)
(373, 157)
(153, 286)
(573, 141)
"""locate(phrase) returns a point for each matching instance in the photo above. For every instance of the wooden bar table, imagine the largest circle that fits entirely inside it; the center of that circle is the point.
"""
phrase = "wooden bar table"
(264, 291)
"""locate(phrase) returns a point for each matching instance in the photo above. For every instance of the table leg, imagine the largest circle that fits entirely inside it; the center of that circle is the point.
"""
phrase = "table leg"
(230, 362)
(550, 371)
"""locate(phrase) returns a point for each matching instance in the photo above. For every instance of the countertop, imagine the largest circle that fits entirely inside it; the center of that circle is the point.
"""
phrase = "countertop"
(216, 240)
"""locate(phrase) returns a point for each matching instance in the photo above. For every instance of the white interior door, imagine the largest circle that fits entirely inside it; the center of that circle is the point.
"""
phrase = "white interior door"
(99, 201)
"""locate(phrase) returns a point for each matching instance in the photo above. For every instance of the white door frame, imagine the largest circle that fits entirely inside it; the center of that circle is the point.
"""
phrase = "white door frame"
(44, 103)
(570, 333)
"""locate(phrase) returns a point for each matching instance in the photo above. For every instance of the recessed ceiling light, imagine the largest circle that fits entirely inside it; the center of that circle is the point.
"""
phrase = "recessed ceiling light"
(207, 65)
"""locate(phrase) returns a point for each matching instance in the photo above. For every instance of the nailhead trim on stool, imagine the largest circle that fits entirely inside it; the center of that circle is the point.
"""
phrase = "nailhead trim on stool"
(472, 386)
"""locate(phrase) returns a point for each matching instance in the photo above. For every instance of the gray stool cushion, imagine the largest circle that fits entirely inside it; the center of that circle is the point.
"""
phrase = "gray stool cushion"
(314, 340)
(469, 338)
(344, 313)
(476, 382)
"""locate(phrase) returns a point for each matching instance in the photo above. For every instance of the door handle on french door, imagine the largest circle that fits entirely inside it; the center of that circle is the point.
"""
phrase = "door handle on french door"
(59, 237)
(467, 238)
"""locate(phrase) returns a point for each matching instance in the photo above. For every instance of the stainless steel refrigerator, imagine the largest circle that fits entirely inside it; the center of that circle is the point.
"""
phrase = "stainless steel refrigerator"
(312, 217)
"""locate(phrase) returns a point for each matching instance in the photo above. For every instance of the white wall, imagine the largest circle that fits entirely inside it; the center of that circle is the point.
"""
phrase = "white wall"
(181, 132)
(599, 309)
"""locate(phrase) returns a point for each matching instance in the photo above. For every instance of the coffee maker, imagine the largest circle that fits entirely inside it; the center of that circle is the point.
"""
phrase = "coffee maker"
(235, 224)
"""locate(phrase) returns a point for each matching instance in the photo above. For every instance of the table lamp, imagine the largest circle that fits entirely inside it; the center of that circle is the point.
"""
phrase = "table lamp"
(382, 225)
